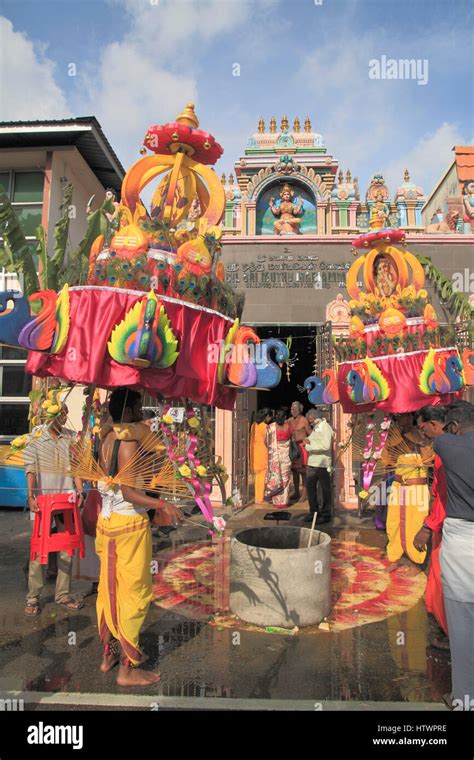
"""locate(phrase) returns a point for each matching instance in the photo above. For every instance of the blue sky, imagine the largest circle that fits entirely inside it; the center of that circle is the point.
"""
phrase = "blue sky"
(139, 61)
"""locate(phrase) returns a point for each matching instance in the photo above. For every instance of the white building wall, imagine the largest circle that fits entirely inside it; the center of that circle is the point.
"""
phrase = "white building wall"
(68, 166)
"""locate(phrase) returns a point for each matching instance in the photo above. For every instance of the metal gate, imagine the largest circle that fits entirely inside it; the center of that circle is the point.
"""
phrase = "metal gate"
(240, 447)
(324, 357)
(324, 348)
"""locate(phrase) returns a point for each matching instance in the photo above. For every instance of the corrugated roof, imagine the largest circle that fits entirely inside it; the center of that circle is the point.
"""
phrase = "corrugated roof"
(84, 132)
(464, 161)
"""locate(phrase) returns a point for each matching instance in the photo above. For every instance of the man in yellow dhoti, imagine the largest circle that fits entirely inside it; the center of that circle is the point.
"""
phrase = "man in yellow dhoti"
(408, 503)
(123, 544)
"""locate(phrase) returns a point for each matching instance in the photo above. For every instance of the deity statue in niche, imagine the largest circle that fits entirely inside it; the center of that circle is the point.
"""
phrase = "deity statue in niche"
(379, 214)
(468, 205)
(288, 222)
(385, 276)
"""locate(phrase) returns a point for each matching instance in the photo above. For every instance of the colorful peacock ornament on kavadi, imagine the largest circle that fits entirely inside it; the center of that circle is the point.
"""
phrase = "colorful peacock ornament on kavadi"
(155, 305)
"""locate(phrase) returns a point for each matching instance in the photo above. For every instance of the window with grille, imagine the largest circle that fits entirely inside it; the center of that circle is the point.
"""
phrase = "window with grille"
(15, 386)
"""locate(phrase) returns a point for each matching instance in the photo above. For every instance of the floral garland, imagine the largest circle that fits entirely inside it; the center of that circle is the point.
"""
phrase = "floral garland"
(371, 305)
(91, 411)
(51, 408)
(189, 468)
(372, 453)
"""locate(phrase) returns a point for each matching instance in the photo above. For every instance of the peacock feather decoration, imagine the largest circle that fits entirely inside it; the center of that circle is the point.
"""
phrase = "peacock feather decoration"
(144, 337)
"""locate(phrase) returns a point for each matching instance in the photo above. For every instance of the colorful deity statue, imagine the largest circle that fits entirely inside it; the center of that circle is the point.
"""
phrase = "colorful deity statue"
(288, 222)
(379, 213)
(468, 205)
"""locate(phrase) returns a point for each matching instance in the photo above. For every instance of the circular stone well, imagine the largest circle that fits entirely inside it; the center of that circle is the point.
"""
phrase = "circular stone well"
(275, 580)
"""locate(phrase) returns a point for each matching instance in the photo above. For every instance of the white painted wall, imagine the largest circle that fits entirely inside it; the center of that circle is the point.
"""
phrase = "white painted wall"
(69, 166)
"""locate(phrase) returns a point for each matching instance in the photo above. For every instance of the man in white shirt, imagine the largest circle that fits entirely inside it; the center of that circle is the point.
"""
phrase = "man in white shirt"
(318, 469)
(47, 461)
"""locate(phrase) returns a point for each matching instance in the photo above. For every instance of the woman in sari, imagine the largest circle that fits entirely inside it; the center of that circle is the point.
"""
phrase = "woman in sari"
(277, 486)
(259, 452)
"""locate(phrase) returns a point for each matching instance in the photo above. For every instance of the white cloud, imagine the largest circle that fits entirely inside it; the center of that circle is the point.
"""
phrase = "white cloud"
(27, 86)
(357, 117)
(428, 160)
(149, 75)
(131, 89)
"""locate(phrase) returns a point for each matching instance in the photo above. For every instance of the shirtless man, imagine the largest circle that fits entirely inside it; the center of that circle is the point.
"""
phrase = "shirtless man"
(300, 429)
(123, 544)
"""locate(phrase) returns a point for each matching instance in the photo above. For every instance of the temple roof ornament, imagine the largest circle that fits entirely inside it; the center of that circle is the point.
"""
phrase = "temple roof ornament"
(307, 124)
(409, 190)
(286, 165)
(284, 123)
(285, 140)
(232, 192)
(296, 125)
(261, 125)
(377, 185)
(344, 190)
(269, 173)
(273, 124)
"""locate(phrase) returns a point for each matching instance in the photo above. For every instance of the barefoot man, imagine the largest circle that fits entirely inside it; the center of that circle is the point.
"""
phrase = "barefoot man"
(123, 544)
(300, 429)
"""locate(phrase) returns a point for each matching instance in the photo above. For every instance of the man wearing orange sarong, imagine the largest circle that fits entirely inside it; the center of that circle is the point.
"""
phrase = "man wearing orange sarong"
(408, 502)
(123, 544)
(259, 452)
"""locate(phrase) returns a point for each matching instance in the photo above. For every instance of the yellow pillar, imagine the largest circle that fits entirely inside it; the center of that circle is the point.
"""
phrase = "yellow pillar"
(323, 223)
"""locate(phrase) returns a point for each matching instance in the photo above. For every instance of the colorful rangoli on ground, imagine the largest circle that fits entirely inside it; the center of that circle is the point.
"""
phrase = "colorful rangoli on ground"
(362, 590)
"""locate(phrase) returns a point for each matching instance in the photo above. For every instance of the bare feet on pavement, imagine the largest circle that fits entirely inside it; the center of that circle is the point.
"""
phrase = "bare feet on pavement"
(108, 662)
(136, 677)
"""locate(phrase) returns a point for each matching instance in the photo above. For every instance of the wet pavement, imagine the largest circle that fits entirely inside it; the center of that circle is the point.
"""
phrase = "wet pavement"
(385, 663)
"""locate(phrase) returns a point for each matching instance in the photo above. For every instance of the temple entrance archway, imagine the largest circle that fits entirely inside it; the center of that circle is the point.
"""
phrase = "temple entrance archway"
(310, 349)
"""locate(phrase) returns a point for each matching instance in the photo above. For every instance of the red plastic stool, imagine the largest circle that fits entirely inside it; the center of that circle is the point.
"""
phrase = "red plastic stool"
(72, 538)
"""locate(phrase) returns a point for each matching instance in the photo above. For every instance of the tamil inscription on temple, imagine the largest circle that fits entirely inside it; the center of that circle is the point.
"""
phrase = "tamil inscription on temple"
(287, 271)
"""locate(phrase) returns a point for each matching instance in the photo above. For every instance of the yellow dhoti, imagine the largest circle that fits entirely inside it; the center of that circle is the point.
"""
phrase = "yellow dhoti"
(124, 547)
(259, 458)
(408, 507)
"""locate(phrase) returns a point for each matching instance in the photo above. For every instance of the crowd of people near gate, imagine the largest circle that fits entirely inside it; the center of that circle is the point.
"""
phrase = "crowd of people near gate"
(286, 449)
(417, 523)
(293, 449)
